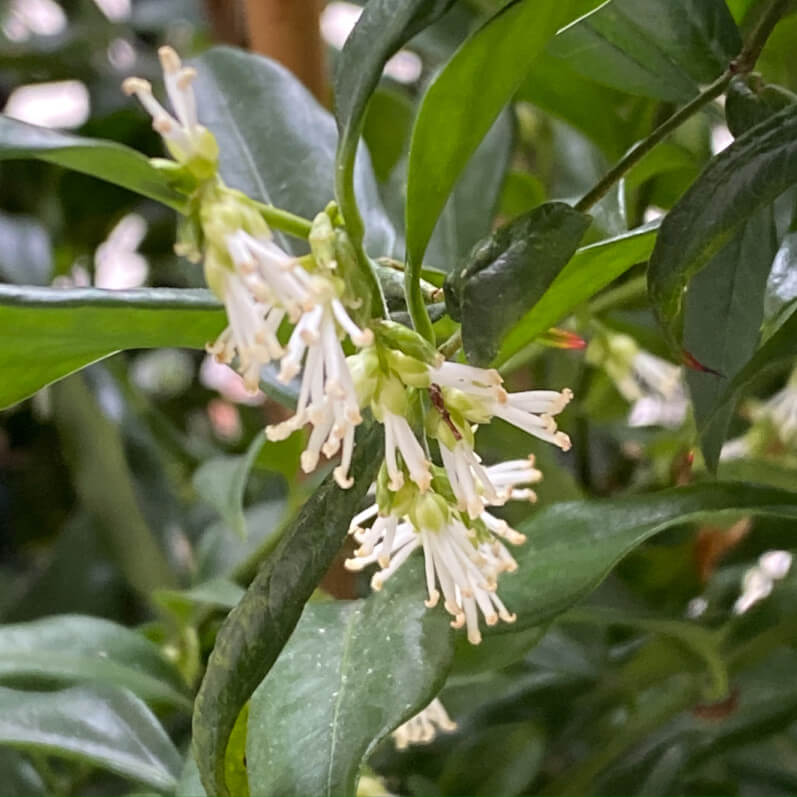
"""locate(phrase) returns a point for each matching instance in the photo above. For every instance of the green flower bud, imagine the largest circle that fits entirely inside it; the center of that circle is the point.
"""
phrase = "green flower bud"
(409, 370)
(430, 511)
(406, 340)
(322, 242)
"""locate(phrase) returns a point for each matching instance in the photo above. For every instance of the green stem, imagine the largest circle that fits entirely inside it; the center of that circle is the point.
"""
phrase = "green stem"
(635, 288)
(415, 303)
(450, 347)
(742, 64)
(642, 148)
(285, 221)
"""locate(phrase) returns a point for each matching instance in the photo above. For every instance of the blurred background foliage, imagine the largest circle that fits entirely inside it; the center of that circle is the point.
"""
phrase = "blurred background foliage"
(124, 489)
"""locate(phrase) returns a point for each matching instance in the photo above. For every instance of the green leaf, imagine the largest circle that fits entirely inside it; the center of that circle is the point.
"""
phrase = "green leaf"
(108, 728)
(218, 592)
(497, 759)
(722, 317)
(93, 449)
(18, 776)
(573, 546)
(221, 482)
(462, 103)
(511, 269)
(747, 103)
(72, 648)
(756, 168)
(26, 253)
(276, 142)
(591, 269)
(469, 212)
(782, 281)
(47, 333)
(367, 666)
(779, 349)
(382, 29)
(386, 129)
(104, 159)
(657, 49)
(257, 629)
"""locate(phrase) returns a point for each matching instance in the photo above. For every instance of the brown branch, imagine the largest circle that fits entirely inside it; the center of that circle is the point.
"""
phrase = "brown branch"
(288, 31)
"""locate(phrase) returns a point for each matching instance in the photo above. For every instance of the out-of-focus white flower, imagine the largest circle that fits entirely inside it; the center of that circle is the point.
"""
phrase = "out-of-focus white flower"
(220, 377)
(117, 264)
(423, 727)
(61, 103)
(25, 18)
(781, 411)
(758, 581)
(652, 385)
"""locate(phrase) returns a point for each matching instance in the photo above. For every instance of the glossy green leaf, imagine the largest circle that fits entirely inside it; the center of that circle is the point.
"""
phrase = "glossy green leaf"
(107, 160)
(511, 269)
(382, 28)
(257, 629)
(109, 728)
(749, 174)
(469, 212)
(218, 592)
(73, 648)
(367, 666)
(463, 101)
(778, 350)
(657, 49)
(386, 129)
(221, 482)
(722, 317)
(572, 546)
(591, 269)
(47, 333)
(277, 144)
(26, 254)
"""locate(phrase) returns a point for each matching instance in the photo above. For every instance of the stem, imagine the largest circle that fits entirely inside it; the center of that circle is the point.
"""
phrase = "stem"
(452, 345)
(641, 148)
(742, 64)
(635, 288)
(415, 303)
(285, 221)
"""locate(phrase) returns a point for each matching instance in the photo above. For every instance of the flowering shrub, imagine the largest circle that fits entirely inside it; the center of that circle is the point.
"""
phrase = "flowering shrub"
(394, 338)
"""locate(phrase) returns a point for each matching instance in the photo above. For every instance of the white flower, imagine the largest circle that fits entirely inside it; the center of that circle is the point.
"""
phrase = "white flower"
(477, 393)
(423, 727)
(759, 580)
(399, 438)
(476, 487)
(328, 397)
(781, 410)
(461, 563)
(183, 134)
(117, 264)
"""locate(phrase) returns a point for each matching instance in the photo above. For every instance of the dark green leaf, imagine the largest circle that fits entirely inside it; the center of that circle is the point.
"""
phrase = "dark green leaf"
(572, 546)
(722, 317)
(591, 269)
(468, 214)
(463, 102)
(653, 48)
(218, 592)
(499, 759)
(18, 776)
(109, 728)
(749, 174)
(511, 269)
(221, 483)
(367, 667)
(779, 349)
(747, 103)
(257, 629)
(276, 142)
(383, 28)
(73, 648)
(46, 333)
(104, 159)
(26, 254)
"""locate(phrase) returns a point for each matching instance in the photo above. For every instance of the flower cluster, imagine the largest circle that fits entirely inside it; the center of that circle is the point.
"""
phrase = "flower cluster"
(298, 312)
